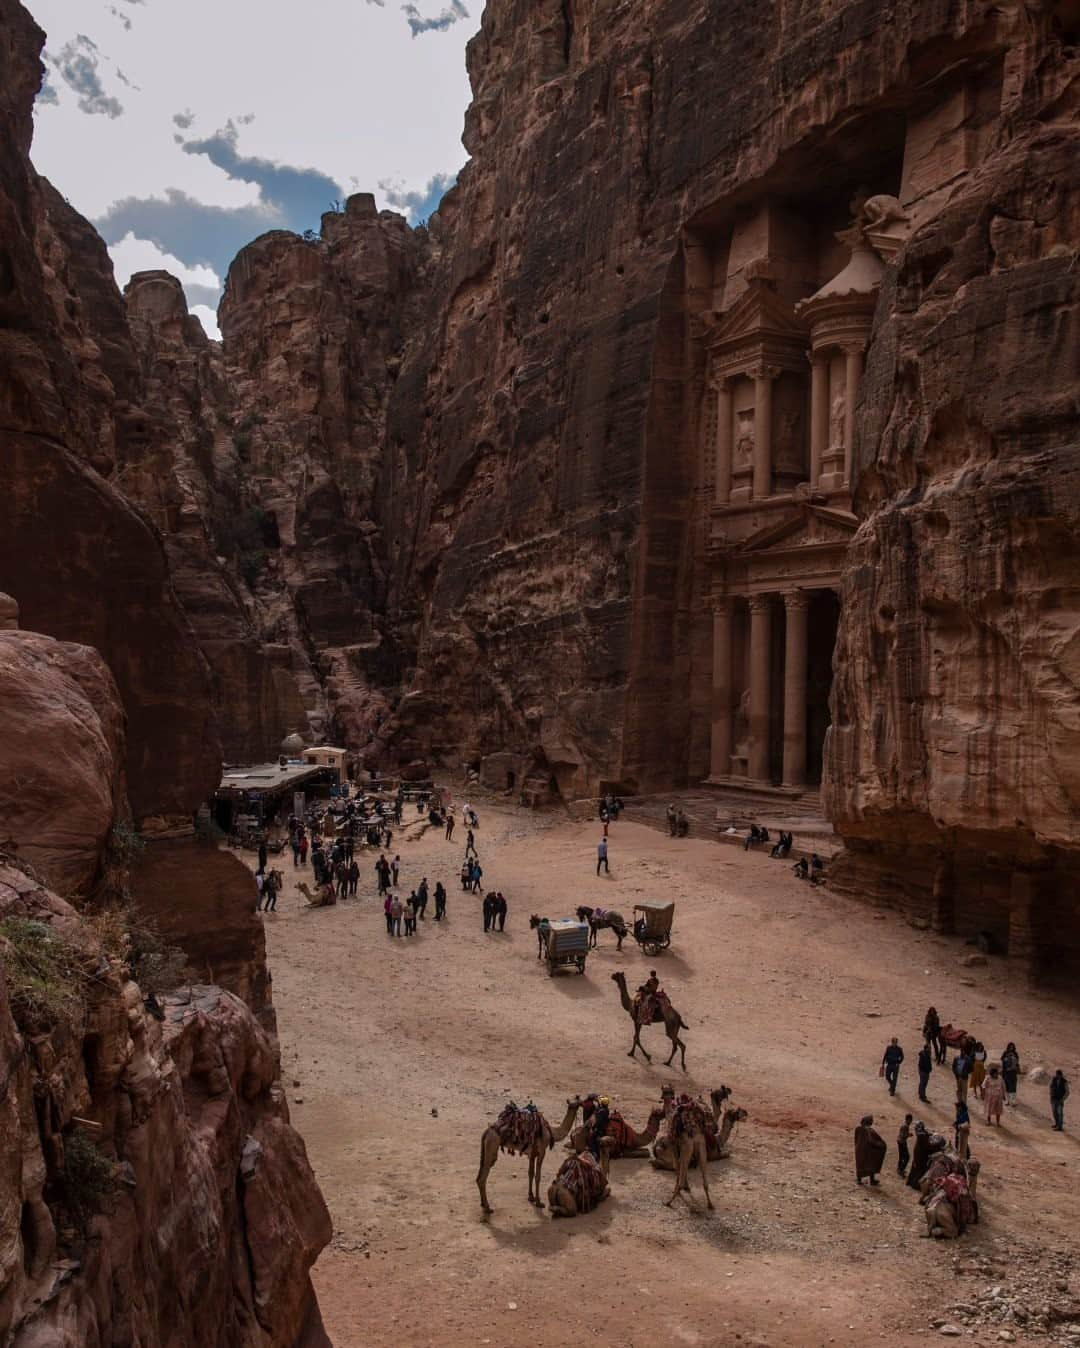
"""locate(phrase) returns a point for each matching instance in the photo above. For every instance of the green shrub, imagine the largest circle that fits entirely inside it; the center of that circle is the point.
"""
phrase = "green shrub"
(136, 942)
(87, 1179)
(45, 974)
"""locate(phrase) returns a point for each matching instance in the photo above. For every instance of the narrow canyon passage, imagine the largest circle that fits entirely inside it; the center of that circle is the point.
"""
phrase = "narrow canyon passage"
(397, 1053)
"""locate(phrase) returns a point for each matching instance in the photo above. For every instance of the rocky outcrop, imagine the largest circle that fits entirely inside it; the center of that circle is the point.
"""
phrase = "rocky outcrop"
(62, 743)
(313, 331)
(953, 759)
(151, 1188)
(81, 561)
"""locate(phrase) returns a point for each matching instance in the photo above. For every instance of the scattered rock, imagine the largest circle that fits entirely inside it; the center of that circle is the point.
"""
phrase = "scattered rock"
(973, 961)
(950, 1331)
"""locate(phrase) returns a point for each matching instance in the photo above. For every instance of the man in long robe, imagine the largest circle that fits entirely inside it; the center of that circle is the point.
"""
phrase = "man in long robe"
(869, 1151)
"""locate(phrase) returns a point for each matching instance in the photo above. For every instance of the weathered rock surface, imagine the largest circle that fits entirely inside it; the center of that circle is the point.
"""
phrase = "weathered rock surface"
(313, 331)
(62, 746)
(954, 758)
(213, 1218)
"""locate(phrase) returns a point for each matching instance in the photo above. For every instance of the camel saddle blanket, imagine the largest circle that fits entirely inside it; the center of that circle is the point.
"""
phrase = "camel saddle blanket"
(955, 1190)
(585, 1180)
(519, 1129)
(649, 1010)
(621, 1131)
(688, 1116)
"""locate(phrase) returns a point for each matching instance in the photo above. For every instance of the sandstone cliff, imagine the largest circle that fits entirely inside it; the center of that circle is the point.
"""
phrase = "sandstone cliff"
(151, 1189)
(954, 758)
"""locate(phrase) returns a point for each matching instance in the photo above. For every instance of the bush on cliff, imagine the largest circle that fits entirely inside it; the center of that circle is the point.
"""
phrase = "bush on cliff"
(45, 975)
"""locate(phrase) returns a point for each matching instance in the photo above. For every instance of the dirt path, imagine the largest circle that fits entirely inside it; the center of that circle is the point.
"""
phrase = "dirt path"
(403, 1050)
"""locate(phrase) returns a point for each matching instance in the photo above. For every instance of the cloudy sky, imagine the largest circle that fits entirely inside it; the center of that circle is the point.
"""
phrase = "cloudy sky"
(184, 128)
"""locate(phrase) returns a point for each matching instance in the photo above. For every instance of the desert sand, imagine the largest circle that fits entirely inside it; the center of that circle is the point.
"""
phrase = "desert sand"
(397, 1053)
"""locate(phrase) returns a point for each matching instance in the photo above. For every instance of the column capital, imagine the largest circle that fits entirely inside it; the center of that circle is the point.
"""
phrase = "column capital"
(760, 603)
(796, 599)
(720, 383)
(720, 604)
(763, 371)
(852, 348)
(819, 357)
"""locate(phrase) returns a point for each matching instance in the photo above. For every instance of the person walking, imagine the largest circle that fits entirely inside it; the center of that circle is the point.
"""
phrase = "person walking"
(870, 1151)
(921, 1157)
(270, 893)
(926, 1066)
(410, 907)
(903, 1154)
(354, 877)
(1010, 1070)
(890, 1064)
(382, 870)
(489, 912)
(978, 1069)
(470, 843)
(477, 875)
(601, 857)
(672, 820)
(932, 1033)
(260, 882)
(262, 854)
(396, 911)
(962, 1130)
(450, 826)
(303, 849)
(440, 901)
(395, 869)
(466, 875)
(994, 1096)
(294, 843)
(962, 1072)
(1059, 1093)
(499, 912)
(422, 899)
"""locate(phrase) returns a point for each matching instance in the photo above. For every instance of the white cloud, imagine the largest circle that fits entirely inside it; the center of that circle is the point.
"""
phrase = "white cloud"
(131, 255)
(208, 318)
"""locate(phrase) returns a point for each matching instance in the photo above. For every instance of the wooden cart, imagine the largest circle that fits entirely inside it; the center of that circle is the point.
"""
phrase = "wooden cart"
(652, 926)
(567, 943)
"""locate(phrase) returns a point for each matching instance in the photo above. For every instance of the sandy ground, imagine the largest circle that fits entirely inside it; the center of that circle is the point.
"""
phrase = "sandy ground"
(397, 1053)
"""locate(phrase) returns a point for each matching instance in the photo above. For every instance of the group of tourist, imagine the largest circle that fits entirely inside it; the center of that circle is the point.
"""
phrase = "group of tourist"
(993, 1084)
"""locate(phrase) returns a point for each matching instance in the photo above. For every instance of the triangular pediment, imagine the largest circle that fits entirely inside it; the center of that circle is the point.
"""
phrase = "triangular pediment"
(806, 526)
(759, 311)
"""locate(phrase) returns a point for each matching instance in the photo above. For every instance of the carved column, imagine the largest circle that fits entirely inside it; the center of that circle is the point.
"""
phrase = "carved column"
(819, 415)
(724, 430)
(853, 358)
(760, 635)
(795, 661)
(720, 755)
(763, 380)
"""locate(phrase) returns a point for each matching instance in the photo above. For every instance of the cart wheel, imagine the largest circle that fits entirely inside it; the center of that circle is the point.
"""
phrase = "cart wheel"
(581, 966)
(551, 971)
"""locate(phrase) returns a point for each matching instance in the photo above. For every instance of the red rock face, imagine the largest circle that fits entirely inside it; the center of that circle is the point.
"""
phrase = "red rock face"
(953, 761)
(215, 1219)
(62, 732)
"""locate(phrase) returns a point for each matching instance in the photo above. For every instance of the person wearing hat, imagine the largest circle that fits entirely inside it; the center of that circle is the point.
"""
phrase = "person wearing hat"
(600, 1120)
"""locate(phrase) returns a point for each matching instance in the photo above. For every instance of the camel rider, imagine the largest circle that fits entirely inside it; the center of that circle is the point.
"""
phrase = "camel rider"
(600, 1120)
(648, 996)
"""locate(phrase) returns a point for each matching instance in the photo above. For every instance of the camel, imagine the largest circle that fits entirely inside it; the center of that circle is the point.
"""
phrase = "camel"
(716, 1138)
(625, 1141)
(598, 918)
(322, 898)
(673, 1023)
(687, 1131)
(581, 1183)
(522, 1130)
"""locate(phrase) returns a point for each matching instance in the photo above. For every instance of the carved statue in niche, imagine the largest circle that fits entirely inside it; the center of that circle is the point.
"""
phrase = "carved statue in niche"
(744, 437)
(837, 416)
(790, 436)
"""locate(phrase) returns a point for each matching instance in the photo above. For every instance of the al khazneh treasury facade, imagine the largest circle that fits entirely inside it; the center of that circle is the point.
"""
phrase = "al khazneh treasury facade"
(783, 380)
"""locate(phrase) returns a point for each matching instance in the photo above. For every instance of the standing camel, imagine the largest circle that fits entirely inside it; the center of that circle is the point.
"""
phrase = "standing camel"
(716, 1138)
(687, 1132)
(598, 918)
(526, 1131)
(664, 1011)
